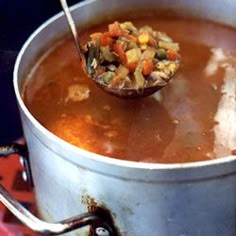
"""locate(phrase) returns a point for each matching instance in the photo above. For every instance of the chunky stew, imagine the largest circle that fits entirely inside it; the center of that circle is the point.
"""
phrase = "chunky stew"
(127, 57)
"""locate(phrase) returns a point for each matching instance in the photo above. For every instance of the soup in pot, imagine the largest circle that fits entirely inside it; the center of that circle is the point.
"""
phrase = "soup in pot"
(191, 119)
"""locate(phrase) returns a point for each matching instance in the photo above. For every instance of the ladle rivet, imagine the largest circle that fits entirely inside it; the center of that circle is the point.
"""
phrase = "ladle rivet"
(100, 231)
(22, 161)
(24, 176)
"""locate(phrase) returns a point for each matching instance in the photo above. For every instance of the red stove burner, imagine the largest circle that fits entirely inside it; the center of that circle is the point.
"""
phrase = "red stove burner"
(11, 178)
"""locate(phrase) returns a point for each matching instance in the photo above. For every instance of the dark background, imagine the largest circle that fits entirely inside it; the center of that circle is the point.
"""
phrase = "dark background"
(18, 19)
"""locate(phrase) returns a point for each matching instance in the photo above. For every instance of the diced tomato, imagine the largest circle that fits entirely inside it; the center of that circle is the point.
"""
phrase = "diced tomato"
(147, 66)
(172, 55)
(115, 30)
(116, 81)
(105, 39)
(132, 66)
(118, 49)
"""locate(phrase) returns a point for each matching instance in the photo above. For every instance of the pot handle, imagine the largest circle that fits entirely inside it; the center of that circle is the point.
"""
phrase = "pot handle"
(101, 227)
(22, 150)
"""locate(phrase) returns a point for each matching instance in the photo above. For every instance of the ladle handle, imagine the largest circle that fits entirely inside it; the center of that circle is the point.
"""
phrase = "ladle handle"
(102, 228)
(72, 26)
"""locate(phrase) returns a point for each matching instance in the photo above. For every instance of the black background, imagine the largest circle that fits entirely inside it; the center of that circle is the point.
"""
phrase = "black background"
(18, 19)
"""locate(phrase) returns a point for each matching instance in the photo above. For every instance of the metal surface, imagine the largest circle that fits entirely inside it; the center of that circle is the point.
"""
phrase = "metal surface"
(42, 227)
(38, 225)
(191, 199)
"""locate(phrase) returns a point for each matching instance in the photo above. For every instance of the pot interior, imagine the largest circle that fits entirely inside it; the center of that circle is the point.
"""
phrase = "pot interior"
(211, 44)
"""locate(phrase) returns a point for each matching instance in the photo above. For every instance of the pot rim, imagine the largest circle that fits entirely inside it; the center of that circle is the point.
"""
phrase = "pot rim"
(85, 153)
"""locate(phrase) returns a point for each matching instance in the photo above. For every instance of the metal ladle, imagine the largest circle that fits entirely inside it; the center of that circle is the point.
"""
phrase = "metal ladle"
(88, 58)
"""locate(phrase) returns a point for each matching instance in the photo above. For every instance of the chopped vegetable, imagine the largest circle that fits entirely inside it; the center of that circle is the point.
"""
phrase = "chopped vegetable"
(129, 57)
(172, 67)
(118, 49)
(146, 28)
(163, 37)
(139, 78)
(106, 40)
(161, 54)
(132, 66)
(122, 71)
(144, 37)
(117, 82)
(149, 53)
(108, 77)
(133, 55)
(157, 79)
(107, 54)
(147, 66)
(129, 27)
(115, 30)
(169, 45)
(172, 55)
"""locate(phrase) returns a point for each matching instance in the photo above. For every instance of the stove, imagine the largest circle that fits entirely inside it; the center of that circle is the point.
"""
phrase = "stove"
(11, 177)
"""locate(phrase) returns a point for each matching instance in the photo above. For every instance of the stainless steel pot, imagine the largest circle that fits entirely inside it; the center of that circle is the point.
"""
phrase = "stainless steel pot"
(191, 199)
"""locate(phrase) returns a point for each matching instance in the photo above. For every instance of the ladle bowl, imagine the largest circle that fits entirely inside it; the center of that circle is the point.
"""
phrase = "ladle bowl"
(87, 58)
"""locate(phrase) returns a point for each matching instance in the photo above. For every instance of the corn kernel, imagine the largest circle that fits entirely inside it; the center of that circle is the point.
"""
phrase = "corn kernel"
(160, 65)
(172, 67)
(143, 38)
(143, 47)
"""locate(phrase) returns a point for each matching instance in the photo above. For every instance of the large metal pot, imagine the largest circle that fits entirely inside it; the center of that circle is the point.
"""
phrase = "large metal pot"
(191, 199)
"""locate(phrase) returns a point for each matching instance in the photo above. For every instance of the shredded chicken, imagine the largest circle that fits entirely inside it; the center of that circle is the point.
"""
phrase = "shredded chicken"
(77, 93)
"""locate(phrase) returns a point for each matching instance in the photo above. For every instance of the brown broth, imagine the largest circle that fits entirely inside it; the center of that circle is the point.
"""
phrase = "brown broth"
(182, 123)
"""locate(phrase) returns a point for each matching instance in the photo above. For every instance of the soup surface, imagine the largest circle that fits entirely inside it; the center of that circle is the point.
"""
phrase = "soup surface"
(191, 119)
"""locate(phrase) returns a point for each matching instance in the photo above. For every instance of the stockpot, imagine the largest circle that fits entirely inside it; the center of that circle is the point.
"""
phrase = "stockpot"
(120, 197)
